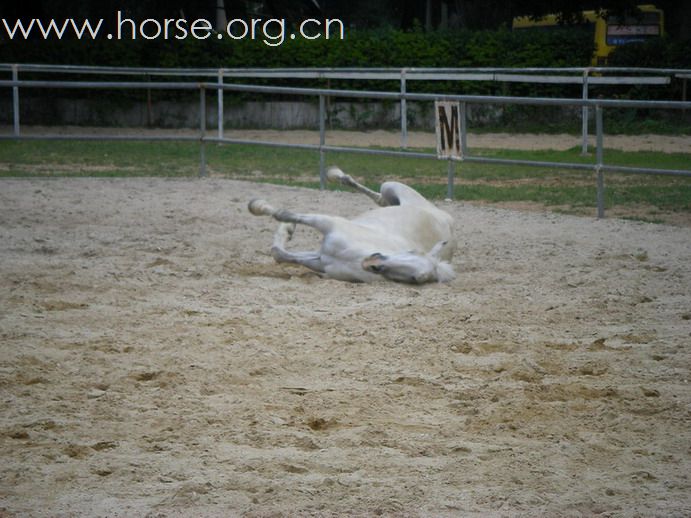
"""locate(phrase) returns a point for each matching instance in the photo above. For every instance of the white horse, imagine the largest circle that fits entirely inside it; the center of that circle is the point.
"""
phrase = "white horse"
(407, 240)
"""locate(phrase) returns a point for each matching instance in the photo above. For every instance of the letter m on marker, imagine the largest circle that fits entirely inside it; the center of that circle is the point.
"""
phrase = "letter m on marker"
(448, 126)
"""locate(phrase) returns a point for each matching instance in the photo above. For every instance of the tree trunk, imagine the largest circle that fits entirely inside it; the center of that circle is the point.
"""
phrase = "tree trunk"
(684, 21)
(444, 16)
(221, 19)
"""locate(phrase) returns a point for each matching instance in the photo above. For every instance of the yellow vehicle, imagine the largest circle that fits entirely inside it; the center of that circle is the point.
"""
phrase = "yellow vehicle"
(609, 32)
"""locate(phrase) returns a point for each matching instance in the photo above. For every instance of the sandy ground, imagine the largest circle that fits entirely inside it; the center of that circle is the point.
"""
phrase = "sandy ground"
(156, 362)
(416, 139)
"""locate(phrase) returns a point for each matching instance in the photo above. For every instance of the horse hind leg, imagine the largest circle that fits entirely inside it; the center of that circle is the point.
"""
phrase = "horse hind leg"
(334, 174)
(396, 193)
(390, 193)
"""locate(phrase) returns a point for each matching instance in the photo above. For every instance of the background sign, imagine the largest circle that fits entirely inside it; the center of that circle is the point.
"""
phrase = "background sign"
(448, 126)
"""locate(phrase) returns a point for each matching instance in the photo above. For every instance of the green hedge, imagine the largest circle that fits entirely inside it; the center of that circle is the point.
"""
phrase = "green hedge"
(371, 48)
(657, 53)
(376, 48)
(380, 48)
(365, 48)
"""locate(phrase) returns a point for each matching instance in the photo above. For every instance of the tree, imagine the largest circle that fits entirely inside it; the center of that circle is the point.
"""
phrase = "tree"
(403, 14)
(677, 18)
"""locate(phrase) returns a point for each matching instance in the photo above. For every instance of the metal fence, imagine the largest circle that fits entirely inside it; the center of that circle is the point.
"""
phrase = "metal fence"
(599, 105)
(587, 77)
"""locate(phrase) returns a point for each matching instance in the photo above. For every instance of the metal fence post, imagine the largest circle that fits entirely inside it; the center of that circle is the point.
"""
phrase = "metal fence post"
(598, 166)
(149, 104)
(322, 141)
(584, 115)
(450, 179)
(202, 131)
(404, 111)
(15, 100)
(220, 103)
(464, 128)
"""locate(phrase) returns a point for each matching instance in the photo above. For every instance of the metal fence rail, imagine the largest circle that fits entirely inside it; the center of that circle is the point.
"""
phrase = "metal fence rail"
(599, 166)
(585, 76)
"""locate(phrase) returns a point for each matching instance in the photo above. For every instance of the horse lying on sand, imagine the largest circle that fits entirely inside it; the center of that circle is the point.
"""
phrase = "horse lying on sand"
(407, 239)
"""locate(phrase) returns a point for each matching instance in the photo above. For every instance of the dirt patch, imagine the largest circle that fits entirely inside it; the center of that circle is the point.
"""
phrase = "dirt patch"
(61, 169)
(416, 139)
(158, 362)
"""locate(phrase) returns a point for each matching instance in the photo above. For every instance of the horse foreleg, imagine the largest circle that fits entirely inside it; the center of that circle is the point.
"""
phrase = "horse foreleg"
(311, 260)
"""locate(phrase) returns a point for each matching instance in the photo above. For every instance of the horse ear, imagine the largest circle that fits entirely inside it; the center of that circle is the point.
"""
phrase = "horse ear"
(374, 263)
(435, 253)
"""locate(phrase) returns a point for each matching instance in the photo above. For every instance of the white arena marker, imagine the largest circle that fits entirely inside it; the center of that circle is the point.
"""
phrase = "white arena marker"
(448, 129)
